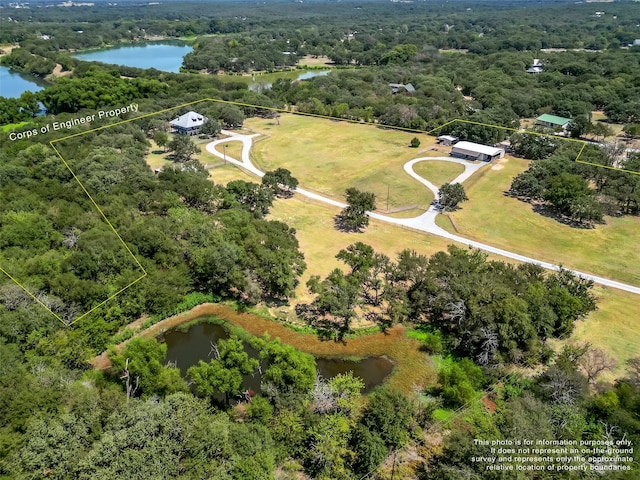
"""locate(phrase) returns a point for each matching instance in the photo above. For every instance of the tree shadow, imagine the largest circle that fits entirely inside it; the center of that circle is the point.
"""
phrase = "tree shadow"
(550, 212)
(341, 223)
(383, 322)
(326, 329)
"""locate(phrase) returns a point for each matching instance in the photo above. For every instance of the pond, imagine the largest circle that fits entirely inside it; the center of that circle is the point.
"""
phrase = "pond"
(164, 56)
(13, 84)
(186, 348)
(259, 83)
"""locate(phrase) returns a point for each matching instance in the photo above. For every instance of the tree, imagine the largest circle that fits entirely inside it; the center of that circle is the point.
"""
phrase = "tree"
(211, 127)
(337, 298)
(353, 217)
(586, 209)
(632, 129)
(144, 359)
(564, 189)
(183, 148)
(451, 195)
(161, 139)
(532, 146)
(255, 198)
(389, 414)
(578, 126)
(415, 142)
(224, 372)
(287, 370)
(280, 181)
(595, 362)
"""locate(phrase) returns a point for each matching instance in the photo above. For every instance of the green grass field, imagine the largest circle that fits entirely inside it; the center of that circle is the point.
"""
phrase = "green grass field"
(613, 327)
(328, 157)
(438, 172)
(489, 216)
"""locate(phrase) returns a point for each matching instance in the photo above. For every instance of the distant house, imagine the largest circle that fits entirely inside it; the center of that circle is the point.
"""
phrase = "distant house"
(447, 140)
(553, 121)
(536, 67)
(476, 151)
(401, 88)
(188, 124)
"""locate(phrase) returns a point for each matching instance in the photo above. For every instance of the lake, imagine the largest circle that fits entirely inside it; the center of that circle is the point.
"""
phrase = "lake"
(186, 348)
(164, 56)
(14, 84)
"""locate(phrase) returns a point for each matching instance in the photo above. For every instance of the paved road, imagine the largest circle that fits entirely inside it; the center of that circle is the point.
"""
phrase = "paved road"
(425, 222)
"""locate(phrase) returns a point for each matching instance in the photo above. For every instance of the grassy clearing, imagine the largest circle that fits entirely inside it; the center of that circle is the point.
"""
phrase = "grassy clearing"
(12, 126)
(223, 174)
(233, 149)
(328, 157)
(438, 172)
(613, 327)
(489, 216)
(311, 61)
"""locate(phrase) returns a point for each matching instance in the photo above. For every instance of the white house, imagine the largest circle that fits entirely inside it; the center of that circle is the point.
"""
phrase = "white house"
(476, 151)
(188, 124)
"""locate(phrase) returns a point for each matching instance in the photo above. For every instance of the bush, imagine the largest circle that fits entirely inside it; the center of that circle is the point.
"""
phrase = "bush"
(415, 142)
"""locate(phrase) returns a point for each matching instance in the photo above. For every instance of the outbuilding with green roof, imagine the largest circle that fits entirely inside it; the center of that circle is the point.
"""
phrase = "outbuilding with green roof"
(553, 121)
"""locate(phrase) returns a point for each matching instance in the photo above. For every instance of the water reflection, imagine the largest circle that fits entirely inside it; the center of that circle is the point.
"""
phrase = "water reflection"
(186, 348)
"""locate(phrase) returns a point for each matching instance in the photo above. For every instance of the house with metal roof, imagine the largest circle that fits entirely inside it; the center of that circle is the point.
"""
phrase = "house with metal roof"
(402, 88)
(553, 121)
(476, 151)
(188, 124)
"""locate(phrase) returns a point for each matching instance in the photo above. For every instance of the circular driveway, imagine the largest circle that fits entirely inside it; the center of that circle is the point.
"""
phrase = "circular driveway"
(425, 222)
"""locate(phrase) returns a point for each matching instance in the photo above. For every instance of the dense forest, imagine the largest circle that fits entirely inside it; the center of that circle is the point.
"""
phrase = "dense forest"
(487, 328)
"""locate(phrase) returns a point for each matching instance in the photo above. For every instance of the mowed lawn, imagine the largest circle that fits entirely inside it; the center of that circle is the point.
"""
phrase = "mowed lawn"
(609, 250)
(329, 156)
(438, 172)
(613, 328)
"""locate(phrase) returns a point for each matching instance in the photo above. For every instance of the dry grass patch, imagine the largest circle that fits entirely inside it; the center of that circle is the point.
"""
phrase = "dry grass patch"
(312, 61)
(329, 156)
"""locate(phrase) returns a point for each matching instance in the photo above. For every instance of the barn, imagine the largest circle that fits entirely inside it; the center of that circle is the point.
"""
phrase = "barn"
(476, 151)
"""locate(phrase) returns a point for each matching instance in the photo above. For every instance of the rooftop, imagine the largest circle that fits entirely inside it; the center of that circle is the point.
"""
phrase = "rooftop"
(189, 120)
(478, 147)
(554, 119)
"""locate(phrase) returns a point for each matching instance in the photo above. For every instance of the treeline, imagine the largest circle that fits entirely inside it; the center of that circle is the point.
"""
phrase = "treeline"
(577, 192)
(490, 311)
(242, 54)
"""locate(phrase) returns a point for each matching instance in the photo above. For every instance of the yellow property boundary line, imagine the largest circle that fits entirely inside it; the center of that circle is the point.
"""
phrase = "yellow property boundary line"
(275, 109)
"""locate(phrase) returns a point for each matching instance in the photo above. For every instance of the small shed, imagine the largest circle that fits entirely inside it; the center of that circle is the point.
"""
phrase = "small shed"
(553, 121)
(188, 124)
(447, 140)
(476, 151)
